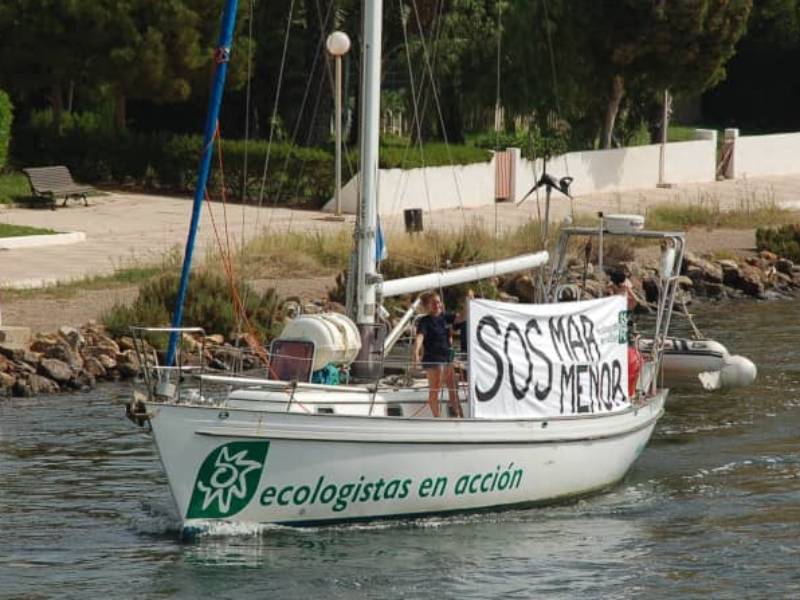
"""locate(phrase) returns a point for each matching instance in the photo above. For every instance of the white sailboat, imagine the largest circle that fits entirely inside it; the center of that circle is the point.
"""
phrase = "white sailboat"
(549, 412)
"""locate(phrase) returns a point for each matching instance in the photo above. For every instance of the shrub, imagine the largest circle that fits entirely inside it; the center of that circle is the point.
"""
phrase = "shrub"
(6, 117)
(208, 305)
(783, 241)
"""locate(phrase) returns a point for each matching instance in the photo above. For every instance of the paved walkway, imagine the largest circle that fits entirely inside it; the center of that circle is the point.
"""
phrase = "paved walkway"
(128, 229)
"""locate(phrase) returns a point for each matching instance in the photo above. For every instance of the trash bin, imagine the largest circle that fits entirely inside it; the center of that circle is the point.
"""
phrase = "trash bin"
(413, 219)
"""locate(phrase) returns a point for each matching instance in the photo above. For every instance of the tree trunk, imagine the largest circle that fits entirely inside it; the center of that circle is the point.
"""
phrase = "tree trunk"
(612, 109)
(120, 110)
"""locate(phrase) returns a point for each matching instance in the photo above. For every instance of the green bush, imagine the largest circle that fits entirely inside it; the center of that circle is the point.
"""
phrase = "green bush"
(6, 117)
(783, 241)
(208, 305)
(96, 153)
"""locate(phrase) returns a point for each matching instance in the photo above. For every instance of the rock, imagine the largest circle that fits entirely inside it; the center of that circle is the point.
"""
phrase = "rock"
(106, 361)
(684, 283)
(730, 272)
(73, 337)
(42, 385)
(19, 366)
(701, 269)
(7, 381)
(504, 297)
(95, 368)
(521, 286)
(100, 350)
(44, 342)
(784, 265)
(126, 343)
(55, 369)
(650, 288)
(22, 389)
(768, 256)
(128, 364)
(215, 338)
(64, 353)
(750, 281)
(715, 290)
(9, 352)
(332, 306)
(83, 382)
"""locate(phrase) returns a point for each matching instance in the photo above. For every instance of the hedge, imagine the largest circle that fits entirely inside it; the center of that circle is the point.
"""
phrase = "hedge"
(6, 118)
(297, 175)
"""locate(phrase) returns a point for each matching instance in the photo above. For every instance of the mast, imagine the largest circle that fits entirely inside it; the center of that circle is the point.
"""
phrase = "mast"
(366, 276)
(221, 57)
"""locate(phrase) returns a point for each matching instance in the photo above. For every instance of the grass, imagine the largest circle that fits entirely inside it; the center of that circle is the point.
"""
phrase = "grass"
(13, 186)
(751, 209)
(8, 231)
(134, 273)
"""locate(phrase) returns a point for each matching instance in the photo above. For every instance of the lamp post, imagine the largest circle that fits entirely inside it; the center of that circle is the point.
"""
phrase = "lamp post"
(338, 44)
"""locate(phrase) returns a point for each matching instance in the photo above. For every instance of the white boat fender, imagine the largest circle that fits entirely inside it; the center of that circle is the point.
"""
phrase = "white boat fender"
(736, 371)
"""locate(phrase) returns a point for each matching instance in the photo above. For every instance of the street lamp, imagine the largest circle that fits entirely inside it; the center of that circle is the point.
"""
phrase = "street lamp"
(338, 44)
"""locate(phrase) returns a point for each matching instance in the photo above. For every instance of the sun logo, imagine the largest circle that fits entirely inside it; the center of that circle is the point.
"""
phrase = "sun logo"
(227, 480)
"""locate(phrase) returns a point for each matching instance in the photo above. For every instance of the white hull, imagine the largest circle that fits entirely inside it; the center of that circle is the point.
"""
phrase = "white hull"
(332, 468)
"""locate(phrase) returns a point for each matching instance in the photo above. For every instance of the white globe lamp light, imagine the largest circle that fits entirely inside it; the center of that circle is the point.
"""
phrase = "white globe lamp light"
(338, 43)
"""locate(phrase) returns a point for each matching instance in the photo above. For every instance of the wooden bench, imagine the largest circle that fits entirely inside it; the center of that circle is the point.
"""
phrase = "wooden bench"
(54, 182)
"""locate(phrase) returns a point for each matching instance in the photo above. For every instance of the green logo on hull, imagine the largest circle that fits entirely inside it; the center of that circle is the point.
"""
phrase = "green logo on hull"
(227, 480)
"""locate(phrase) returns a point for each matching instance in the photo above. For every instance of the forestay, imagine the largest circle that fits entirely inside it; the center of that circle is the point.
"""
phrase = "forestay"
(544, 360)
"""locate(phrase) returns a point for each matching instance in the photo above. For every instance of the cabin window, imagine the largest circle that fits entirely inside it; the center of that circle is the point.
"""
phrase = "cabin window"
(324, 410)
(394, 410)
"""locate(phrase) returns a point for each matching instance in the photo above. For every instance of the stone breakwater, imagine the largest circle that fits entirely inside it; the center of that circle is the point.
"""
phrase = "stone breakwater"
(77, 358)
(764, 276)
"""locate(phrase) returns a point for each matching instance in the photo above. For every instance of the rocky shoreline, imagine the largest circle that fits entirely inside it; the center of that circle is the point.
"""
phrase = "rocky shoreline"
(75, 359)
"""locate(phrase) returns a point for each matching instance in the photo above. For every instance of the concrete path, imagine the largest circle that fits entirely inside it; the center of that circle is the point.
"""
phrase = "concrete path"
(128, 229)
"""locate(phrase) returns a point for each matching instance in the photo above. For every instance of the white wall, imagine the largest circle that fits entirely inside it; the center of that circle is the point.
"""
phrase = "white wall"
(430, 188)
(435, 188)
(776, 154)
(626, 168)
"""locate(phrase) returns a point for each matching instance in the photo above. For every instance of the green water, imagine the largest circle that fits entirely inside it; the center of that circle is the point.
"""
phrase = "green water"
(712, 510)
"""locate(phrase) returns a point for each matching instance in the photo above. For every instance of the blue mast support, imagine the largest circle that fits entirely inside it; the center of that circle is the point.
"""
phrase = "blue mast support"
(221, 56)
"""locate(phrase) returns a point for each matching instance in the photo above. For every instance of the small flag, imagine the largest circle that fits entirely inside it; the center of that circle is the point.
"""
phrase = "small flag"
(381, 252)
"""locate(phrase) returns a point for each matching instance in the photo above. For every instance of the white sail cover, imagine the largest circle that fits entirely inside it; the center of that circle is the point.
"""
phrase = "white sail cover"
(544, 360)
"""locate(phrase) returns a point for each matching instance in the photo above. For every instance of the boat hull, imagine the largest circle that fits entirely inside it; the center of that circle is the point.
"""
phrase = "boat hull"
(248, 466)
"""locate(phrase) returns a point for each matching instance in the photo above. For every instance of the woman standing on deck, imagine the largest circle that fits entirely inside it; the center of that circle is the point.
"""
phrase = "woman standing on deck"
(432, 347)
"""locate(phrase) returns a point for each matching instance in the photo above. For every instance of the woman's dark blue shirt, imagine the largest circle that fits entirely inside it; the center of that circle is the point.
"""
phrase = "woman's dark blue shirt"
(435, 332)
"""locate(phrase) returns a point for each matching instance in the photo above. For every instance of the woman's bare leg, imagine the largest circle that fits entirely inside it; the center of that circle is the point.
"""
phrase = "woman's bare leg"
(434, 385)
(452, 391)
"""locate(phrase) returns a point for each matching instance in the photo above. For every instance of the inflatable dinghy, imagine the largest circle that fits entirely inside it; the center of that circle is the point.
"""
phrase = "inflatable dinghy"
(688, 363)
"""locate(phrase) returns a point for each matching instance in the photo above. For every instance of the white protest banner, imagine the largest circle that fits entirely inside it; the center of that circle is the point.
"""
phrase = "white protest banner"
(545, 360)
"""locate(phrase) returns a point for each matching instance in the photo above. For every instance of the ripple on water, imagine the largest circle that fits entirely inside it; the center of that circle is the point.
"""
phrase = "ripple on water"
(711, 508)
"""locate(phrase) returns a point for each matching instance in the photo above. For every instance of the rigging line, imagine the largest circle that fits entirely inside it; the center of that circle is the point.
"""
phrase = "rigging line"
(556, 94)
(497, 121)
(248, 92)
(435, 35)
(298, 122)
(497, 90)
(436, 249)
(228, 267)
(274, 116)
(441, 116)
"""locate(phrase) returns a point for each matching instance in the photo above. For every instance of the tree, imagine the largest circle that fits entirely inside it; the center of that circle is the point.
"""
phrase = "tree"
(158, 50)
(47, 45)
(762, 91)
(604, 51)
